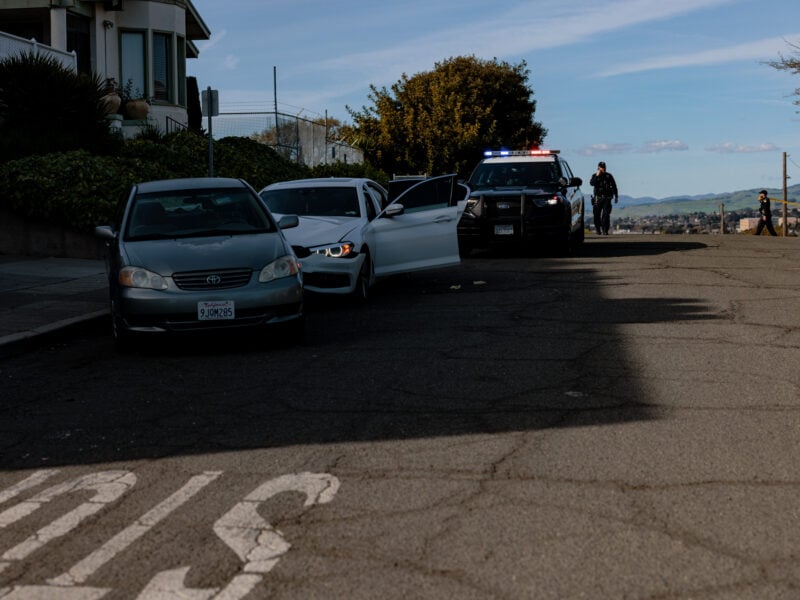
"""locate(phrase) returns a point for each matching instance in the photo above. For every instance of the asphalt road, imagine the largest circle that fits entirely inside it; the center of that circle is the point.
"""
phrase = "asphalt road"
(618, 424)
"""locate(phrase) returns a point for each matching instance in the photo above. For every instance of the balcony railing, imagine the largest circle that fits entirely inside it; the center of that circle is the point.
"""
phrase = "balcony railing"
(11, 45)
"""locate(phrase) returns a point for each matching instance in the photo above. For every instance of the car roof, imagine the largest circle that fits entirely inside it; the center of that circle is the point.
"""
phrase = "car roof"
(190, 183)
(321, 182)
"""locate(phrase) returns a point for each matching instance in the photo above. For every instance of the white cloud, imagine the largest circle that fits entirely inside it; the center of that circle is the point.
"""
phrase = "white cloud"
(767, 49)
(602, 149)
(231, 62)
(523, 29)
(663, 146)
(215, 40)
(731, 148)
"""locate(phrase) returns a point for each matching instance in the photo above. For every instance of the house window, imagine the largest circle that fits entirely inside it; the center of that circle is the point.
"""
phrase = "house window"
(162, 67)
(132, 67)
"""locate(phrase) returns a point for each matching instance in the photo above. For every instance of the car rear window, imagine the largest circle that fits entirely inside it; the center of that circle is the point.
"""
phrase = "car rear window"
(192, 213)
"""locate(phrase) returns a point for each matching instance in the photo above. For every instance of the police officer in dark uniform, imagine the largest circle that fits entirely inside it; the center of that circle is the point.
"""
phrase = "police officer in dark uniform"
(605, 188)
(766, 214)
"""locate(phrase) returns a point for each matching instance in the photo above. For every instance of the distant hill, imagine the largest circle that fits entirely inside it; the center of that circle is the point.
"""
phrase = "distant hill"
(706, 203)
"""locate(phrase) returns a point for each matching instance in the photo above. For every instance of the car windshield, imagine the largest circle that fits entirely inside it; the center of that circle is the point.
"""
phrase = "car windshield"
(525, 175)
(314, 201)
(194, 213)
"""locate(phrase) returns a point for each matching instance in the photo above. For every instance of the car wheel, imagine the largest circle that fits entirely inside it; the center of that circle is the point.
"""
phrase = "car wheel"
(123, 341)
(576, 238)
(364, 279)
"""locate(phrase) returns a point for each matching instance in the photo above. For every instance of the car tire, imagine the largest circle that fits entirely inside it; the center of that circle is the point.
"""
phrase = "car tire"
(364, 280)
(123, 340)
(576, 238)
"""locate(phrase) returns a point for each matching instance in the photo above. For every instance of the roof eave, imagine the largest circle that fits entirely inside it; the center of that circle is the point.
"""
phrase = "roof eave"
(196, 28)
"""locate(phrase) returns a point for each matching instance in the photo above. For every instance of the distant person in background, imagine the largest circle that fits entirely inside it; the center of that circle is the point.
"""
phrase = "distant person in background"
(605, 188)
(766, 214)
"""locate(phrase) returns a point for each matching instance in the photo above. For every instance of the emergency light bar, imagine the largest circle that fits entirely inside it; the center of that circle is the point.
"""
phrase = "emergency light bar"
(536, 152)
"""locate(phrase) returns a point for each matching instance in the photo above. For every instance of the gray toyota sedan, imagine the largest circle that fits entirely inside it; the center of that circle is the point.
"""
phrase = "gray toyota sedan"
(199, 254)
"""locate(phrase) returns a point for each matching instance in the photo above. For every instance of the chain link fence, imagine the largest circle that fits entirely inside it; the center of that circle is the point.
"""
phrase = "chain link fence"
(296, 138)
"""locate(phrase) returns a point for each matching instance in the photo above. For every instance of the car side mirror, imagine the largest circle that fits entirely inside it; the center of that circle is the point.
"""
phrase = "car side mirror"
(288, 221)
(393, 210)
(104, 232)
(576, 182)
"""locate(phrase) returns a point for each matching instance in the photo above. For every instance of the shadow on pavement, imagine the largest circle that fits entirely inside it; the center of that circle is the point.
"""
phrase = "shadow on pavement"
(496, 344)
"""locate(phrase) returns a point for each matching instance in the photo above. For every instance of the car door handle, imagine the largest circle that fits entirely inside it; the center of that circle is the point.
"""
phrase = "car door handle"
(442, 219)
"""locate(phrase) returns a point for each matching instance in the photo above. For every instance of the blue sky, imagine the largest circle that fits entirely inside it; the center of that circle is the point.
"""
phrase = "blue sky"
(674, 95)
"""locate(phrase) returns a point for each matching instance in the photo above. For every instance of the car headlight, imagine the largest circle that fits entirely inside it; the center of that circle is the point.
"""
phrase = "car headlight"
(137, 277)
(285, 266)
(554, 200)
(340, 250)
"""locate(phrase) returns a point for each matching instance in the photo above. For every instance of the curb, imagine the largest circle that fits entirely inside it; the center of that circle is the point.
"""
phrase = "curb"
(11, 344)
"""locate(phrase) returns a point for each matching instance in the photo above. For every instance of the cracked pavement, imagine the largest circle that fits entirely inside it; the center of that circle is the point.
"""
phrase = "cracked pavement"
(618, 424)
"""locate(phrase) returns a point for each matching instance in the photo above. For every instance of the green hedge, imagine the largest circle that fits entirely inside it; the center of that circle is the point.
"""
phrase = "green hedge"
(80, 190)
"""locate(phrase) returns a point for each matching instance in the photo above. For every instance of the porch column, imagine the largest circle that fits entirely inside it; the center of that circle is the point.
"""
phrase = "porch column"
(58, 28)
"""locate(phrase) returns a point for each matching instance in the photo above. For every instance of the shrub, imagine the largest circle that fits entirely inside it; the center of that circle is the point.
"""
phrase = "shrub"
(256, 163)
(46, 107)
(76, 189)
(80, 190)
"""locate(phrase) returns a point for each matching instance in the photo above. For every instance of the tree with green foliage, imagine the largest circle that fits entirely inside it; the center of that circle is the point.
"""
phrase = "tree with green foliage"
(440, 121)
(791, 64)
(46, 107)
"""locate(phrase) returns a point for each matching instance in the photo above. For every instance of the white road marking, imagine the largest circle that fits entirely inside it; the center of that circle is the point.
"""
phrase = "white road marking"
(253, 540)
(168, 585)
(87, 567)
(257, 544)
(27, 483)
(44, 592)
(109, 485)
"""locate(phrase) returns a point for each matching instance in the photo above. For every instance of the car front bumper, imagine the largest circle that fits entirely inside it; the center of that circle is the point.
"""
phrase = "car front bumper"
(327, 275)
(174, 310)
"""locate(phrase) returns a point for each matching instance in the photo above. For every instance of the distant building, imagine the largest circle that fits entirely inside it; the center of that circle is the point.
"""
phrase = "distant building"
(747, 224)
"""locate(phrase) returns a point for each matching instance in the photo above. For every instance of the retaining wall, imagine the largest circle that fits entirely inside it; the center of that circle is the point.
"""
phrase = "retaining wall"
(23, 237)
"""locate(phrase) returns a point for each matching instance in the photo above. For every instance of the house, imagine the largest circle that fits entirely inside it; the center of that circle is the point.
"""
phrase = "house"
(144, 42)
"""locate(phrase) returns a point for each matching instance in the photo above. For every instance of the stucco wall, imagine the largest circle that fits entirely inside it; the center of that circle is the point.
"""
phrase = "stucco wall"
(23, 237)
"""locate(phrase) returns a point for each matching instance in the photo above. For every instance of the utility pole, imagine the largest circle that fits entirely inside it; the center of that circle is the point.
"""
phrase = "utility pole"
(722, 219)
(785, 193)
(275, 92)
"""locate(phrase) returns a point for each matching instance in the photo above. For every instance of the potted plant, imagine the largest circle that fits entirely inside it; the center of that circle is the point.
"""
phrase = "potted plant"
(111, 100)
(134, 103)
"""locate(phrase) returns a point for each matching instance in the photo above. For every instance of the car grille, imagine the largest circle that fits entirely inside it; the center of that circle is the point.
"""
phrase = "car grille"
(326, 280)
(212, 280)
(504, 207)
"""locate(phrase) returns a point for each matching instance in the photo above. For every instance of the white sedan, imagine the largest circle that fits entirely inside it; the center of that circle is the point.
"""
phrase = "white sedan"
(349, 234)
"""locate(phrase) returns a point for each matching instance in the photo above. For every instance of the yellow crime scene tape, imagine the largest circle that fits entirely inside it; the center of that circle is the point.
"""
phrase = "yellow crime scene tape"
(780, 200)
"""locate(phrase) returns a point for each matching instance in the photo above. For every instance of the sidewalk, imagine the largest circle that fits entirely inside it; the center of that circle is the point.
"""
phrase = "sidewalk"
(40, 296)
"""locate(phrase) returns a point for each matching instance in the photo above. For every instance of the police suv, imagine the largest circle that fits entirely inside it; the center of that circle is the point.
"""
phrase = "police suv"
(522, 198)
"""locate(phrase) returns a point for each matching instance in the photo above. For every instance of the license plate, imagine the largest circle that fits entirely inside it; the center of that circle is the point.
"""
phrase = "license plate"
(215, 311)
(504, 229)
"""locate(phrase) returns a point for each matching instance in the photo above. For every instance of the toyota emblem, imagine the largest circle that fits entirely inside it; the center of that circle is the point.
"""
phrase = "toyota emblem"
(213, 280)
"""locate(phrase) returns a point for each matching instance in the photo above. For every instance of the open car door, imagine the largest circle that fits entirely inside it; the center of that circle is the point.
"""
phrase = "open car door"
(418, 229)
